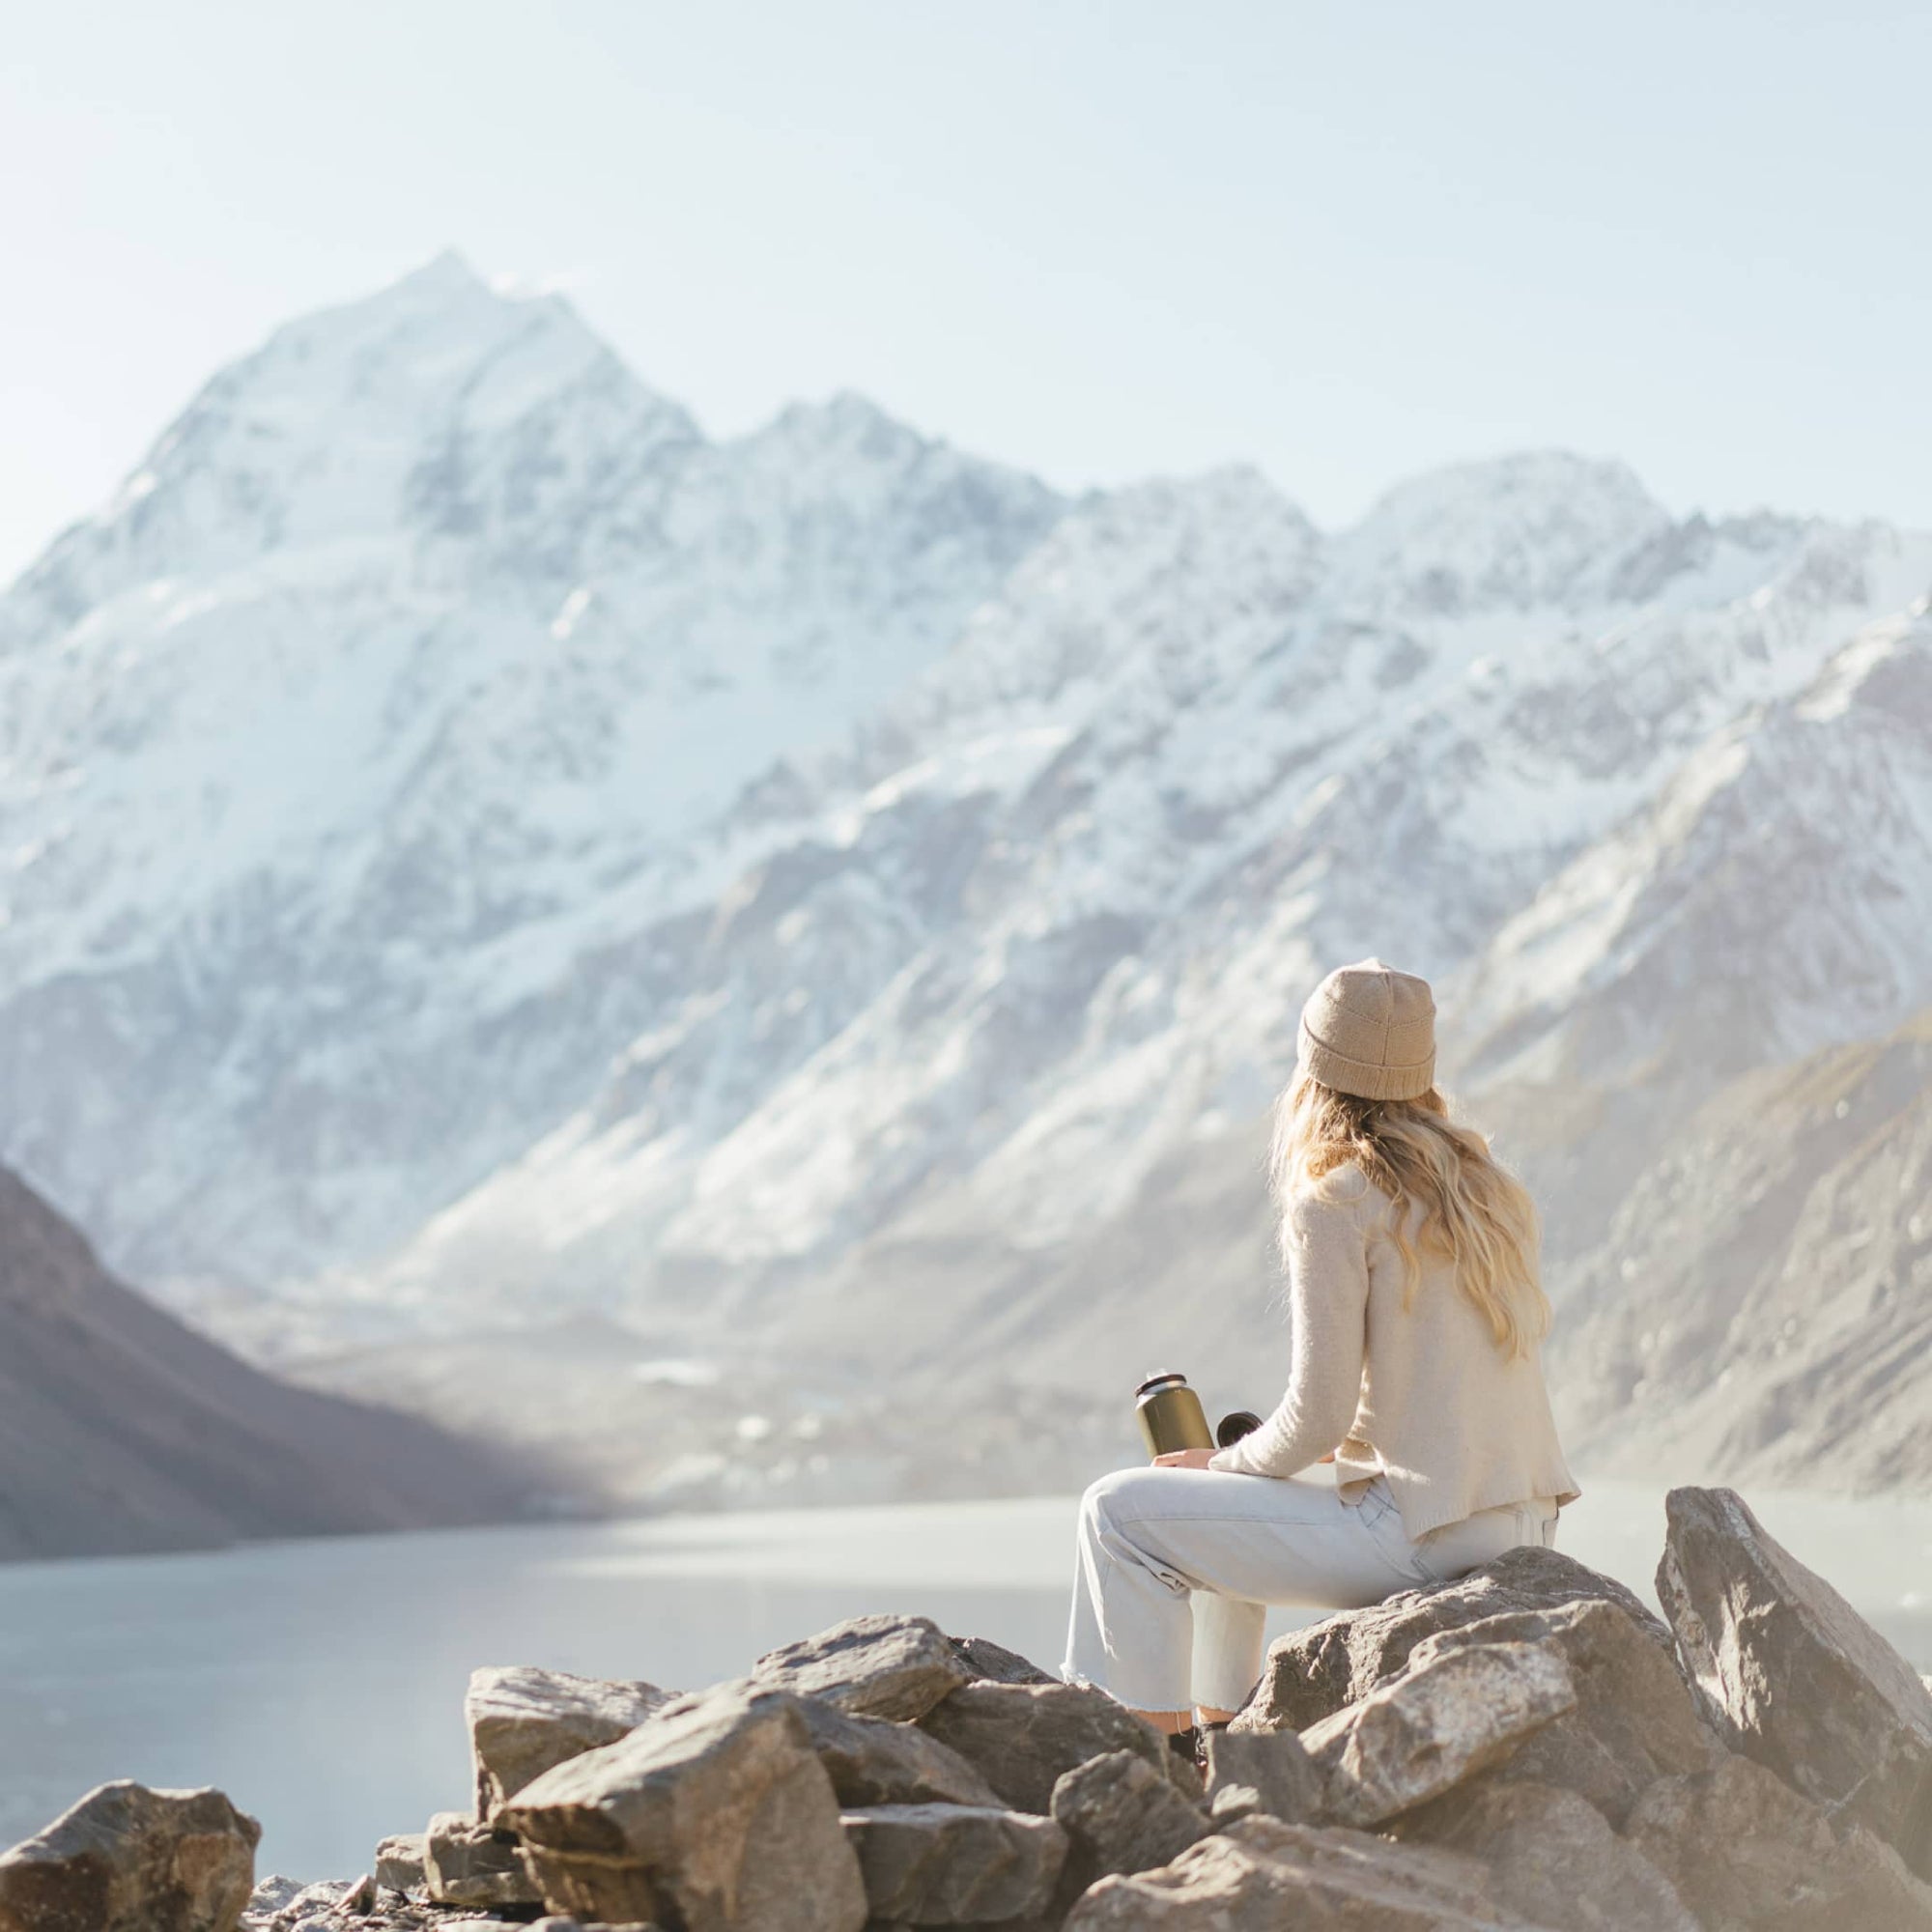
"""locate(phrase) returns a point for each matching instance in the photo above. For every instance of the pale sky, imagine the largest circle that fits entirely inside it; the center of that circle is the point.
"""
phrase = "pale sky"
(1100, 241)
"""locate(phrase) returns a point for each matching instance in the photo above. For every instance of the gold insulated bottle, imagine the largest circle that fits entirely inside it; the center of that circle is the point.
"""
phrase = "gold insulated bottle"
(1170, 1416)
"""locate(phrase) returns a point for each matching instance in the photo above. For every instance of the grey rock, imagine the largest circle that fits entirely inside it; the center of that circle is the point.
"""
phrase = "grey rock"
(127, 1859)
(1262, 1771)
(997, 1664)
(523, 1720)
(716, 1816)
(1435, 1725)
(884, 1667)
(1798, 1679)
(955, 1864)
(1635, 1718)
(1261, 1875)
(1022, 1736)
(1120, 1815)
(1552, 1858)
(872, 1761)
(1312, 1673)
(1745, 1850)
(467, 1863)
(301, 1905)
(270, 1896)
(399, 1860)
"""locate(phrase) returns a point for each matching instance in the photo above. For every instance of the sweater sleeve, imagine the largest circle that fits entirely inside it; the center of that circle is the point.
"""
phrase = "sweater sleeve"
(1328, 1298)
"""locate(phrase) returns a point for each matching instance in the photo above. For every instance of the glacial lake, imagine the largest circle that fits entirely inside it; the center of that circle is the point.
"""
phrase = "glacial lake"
(321, 1682)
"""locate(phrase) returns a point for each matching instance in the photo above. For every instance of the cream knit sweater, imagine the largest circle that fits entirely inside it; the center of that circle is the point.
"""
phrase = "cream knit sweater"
(1424, 1397)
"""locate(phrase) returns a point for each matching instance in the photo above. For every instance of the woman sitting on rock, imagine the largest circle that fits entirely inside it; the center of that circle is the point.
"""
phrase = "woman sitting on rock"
(1417, 1312)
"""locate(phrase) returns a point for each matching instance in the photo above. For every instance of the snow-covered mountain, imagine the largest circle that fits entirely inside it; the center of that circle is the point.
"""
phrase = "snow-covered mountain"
(480, 853)
(348, 753)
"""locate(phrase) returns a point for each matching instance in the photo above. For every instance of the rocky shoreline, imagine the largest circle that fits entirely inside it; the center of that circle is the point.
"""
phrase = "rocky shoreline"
(1525, 1749)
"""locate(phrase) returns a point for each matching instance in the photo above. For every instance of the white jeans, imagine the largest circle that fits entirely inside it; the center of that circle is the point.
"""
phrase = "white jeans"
(1161, 1550)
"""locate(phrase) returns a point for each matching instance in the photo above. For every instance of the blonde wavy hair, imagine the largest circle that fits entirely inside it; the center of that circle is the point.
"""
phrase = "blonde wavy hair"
(1474, 1214)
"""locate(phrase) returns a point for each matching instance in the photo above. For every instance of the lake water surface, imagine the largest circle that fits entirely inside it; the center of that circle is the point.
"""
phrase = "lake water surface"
(321, 1684)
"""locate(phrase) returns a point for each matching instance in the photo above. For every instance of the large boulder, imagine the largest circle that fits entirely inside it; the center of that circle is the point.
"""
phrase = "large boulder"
(467, 1863)
(955, 1864)
(885, 1666)
(1744, 1849)
(872, 1761)
(1262, 1771)
(1432, 1726)
(1312, 1673)
(1120, 1815)
(1021, 1736)
(1552, 1858)
(716, 1816)
(1636, 1720)
(1261, 1875)
(523, 1720)
(126, 1859)
(1797, 1678)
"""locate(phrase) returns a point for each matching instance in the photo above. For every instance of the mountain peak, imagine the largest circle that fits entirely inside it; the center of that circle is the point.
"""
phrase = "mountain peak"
(444, 305)
(434, 403)
(1529, 527)
(446, 270)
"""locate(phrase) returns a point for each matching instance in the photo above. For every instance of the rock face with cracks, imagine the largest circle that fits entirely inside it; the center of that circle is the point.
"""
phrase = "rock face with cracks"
(1635, 1718)
(717, 1817)
(1120, 1815)
(1261, 1875)
(955, 1864)
(871, 1761)
(1262, 1771)
(1312, 1673)
(873, 1667)
(126, 1859)
(1022, 1736)
(1797, 1679)
(1431, 1728)
(523, 1722)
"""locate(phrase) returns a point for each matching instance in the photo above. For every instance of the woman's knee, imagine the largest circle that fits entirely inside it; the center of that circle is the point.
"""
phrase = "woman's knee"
(1102, 1498)
(1124, 1495)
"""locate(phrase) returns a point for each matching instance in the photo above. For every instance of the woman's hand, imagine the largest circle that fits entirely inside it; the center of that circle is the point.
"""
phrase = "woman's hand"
(1183, 1459)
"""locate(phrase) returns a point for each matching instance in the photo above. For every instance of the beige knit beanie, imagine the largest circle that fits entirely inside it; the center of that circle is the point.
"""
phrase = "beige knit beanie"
(1371, 1031)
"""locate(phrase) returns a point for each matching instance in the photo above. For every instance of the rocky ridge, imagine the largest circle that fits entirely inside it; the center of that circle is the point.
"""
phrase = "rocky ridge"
(1525, 1750)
